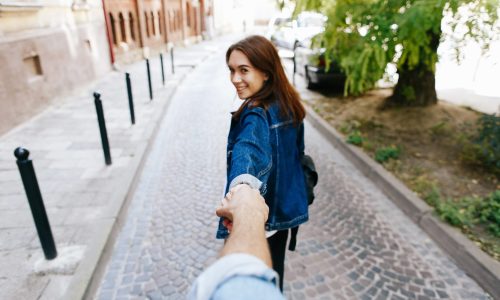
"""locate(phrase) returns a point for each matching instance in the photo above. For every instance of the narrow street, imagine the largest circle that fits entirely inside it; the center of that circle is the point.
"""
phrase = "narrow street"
(357, 244)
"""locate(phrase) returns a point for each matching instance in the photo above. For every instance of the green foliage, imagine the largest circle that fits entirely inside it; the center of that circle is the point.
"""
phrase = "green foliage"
(468, 211)
(488, 212)
(433, 197)
(386, 153)
(489, 141)
(365, 35)
(452, 213)
(483, 149)
(350, 126)
(355, 138)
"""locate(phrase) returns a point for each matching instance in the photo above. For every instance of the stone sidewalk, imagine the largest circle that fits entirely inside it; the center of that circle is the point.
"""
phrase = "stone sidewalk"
(82, 196)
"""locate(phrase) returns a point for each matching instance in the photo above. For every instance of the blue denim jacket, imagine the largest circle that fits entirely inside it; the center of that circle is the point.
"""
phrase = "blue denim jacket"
(264, 151)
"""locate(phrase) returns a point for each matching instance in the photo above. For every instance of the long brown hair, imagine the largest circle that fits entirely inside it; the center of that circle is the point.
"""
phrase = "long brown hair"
(263, 56)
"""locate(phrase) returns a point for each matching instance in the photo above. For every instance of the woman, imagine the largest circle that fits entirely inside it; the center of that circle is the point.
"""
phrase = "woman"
(266, 141)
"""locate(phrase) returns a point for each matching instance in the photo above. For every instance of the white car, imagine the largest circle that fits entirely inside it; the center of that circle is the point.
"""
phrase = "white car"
(289, 33)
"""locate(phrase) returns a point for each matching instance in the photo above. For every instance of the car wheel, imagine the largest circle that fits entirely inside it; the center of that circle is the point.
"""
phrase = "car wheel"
(310, 85)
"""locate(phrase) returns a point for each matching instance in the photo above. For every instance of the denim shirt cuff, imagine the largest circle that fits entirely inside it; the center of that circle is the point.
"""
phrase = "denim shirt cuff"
(251, 180)
(227, 267)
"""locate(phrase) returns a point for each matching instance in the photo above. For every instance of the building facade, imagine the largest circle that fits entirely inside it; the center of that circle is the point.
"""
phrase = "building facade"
(49, 47)
(46, 50)
(137, 27)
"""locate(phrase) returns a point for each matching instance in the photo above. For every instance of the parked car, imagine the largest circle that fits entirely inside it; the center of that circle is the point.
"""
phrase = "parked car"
(289, 33)
(310, 62)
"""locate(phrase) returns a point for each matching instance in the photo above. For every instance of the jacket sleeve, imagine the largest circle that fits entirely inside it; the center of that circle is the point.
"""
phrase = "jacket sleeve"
(251, 158)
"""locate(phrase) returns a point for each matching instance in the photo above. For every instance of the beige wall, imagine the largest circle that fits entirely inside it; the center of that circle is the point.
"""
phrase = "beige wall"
(46, 52)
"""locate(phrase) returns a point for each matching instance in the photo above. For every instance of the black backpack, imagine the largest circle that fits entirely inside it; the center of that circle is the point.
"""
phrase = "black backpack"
(310, 176)
(311, 179)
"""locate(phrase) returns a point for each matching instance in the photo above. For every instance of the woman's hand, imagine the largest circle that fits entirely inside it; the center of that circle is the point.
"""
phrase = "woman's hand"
(242, 202)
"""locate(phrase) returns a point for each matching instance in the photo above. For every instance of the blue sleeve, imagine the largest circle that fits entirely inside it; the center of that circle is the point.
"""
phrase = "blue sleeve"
(251, 159)
(236, 276)
(247, 288)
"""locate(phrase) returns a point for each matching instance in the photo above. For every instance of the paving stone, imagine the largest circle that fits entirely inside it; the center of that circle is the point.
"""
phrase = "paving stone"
(298, 285)
(442, 294)
(298, 296)
(354, 276)
(357, 287)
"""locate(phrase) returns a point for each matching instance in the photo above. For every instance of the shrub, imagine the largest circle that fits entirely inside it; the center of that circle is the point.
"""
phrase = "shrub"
(355, 138)
(386, 153)
(433, 197)
(451, 214)
(350, 126)
(489, 141)
(484, 149)
(468, 211)
(488, 212)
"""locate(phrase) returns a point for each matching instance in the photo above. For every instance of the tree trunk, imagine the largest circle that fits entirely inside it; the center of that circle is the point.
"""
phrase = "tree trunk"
(417, 86)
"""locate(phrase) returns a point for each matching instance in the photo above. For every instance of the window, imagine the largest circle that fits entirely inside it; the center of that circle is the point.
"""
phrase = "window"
(131, 24)
(160, 23)
(122, 27)
(33, 66)
(179, 20)
(146, 21)
(113, 29)
(153, 23)
(188, 15)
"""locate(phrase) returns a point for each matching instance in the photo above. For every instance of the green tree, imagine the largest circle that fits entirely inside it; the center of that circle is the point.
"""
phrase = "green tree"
(366, 35)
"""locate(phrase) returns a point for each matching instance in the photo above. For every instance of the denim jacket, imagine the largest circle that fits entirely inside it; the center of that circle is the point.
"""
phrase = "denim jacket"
(264, 151)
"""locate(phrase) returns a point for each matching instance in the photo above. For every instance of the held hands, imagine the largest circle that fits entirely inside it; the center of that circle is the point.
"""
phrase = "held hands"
(242, 202)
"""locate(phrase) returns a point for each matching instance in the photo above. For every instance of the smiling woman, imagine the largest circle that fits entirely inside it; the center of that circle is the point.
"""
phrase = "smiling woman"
(266, 141)
(246, 79)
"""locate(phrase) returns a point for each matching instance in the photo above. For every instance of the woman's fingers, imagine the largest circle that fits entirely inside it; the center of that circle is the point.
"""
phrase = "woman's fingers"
(228, 224)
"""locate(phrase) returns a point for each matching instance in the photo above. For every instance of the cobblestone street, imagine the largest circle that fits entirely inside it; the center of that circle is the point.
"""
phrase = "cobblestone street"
(357, 244)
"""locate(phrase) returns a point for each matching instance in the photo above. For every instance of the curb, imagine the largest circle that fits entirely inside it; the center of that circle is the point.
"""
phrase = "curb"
(473, 261)
(91, 268)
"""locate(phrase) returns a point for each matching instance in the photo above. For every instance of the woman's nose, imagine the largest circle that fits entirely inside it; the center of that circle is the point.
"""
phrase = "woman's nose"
(236, 78)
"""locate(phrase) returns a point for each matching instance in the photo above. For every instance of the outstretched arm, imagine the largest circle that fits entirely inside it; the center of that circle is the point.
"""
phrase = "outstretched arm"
(248, 212)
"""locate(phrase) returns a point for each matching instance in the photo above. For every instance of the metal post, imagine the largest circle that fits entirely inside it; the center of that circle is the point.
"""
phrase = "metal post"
(102, 128)
(172, 59)
(149, 80)
(162, 71)
(130, 98)
(294, 69)
(35, 200)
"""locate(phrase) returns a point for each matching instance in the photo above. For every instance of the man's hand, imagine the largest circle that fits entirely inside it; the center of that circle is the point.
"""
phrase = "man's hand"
(242, 202)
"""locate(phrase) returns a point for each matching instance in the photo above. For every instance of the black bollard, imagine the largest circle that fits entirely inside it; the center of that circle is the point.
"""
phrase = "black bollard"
(35, 200)
(162, 72)
(172, 59)
(130, 98)
(102, 128)
(149, 80)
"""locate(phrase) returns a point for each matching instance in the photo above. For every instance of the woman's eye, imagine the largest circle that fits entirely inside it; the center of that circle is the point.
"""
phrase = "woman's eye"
(244, 71)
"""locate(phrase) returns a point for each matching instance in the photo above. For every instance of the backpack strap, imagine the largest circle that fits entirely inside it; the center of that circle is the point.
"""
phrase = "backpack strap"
(293, 238)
